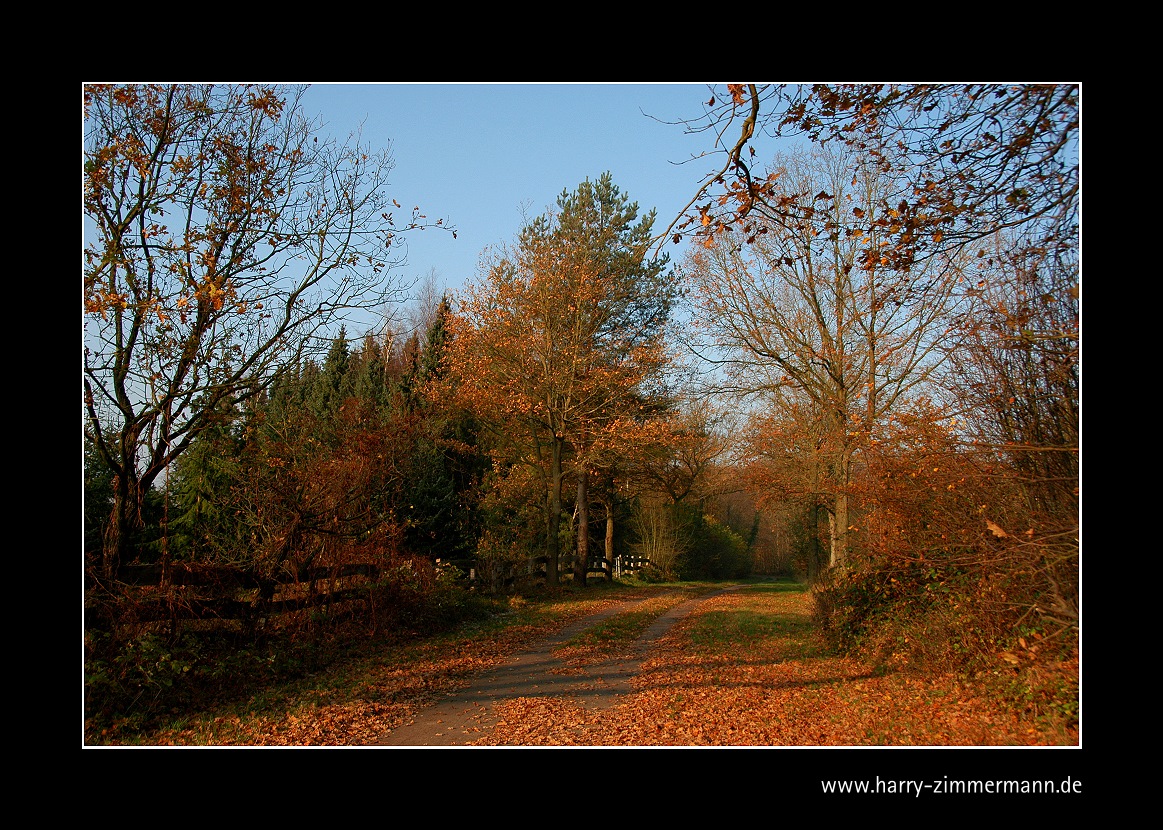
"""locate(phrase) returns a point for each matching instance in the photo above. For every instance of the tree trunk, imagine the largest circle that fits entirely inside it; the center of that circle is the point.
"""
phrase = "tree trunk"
(839, 558)
(840, 519)
(610, 541)
(814, 552)
(553, 517)
(833, 542)
(582, 562)
(124, 522)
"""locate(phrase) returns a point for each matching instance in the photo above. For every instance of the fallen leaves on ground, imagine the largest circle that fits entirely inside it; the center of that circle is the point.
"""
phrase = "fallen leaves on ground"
(368, 699)
(772, 688)
(583, 652)
(769, 692)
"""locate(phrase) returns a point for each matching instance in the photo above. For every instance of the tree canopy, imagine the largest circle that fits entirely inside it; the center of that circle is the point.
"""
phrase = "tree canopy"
(967, 160)
(224, 235)
(561, 341)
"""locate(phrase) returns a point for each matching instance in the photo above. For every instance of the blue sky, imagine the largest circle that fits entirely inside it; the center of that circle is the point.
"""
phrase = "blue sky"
(477, 155)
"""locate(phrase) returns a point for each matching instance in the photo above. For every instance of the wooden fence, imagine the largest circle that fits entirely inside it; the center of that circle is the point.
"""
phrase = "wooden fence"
(597, 565)
(201, 592)
(184, 591)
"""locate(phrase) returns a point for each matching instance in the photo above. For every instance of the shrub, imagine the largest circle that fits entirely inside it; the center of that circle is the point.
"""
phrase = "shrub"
(651, 574)
(715, 552)
(136, 673)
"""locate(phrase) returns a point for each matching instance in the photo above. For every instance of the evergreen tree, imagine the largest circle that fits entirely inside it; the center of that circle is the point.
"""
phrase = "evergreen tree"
(558, 347)
(433, 356)
(203, 523)
(98, 498)
(445, 464)
(333, 384)
(370, 371)
(597, 233)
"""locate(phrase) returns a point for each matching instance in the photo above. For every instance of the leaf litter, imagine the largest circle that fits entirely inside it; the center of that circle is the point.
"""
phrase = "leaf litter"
(701, 684)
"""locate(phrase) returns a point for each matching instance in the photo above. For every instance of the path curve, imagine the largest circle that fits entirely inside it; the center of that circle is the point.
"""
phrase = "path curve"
(468, 715)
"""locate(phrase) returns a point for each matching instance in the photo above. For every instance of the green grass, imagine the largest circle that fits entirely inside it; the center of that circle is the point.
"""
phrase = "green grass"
(619, 629)
(761, 619)
(783, 586)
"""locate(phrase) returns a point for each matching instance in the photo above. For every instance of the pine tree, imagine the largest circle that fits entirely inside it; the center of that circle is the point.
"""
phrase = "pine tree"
(333, 384)
(445, 463)
(564, 337)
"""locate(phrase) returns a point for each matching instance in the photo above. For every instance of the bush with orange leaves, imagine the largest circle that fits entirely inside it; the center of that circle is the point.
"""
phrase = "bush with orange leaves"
(955, 570)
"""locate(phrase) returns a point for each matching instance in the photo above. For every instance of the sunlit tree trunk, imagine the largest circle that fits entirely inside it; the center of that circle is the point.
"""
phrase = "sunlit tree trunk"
(840, 514)
(609, 540)
(553, 520)
(582, 562)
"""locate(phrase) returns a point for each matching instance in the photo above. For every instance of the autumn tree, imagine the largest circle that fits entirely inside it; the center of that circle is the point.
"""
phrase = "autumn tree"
(558, 346)
(672, 478)
(965, 160)
(988, 173)
(1015, 381)
(981, 180)
(224, 233)
(799, 313)
(683, 464)
(787, 469)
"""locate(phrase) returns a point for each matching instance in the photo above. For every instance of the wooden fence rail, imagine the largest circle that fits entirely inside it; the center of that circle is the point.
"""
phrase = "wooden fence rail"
(185, 591)
(184, 574)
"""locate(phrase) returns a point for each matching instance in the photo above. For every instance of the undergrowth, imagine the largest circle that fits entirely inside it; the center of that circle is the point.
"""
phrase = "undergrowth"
(138, 678)
(138, 675)
(985, 624)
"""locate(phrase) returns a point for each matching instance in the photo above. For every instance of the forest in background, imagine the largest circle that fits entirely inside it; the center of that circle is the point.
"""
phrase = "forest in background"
(865, 374)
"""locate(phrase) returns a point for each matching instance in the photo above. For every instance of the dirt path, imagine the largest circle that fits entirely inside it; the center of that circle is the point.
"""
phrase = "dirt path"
(741, 668)
(731, 668)
(468, 716)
